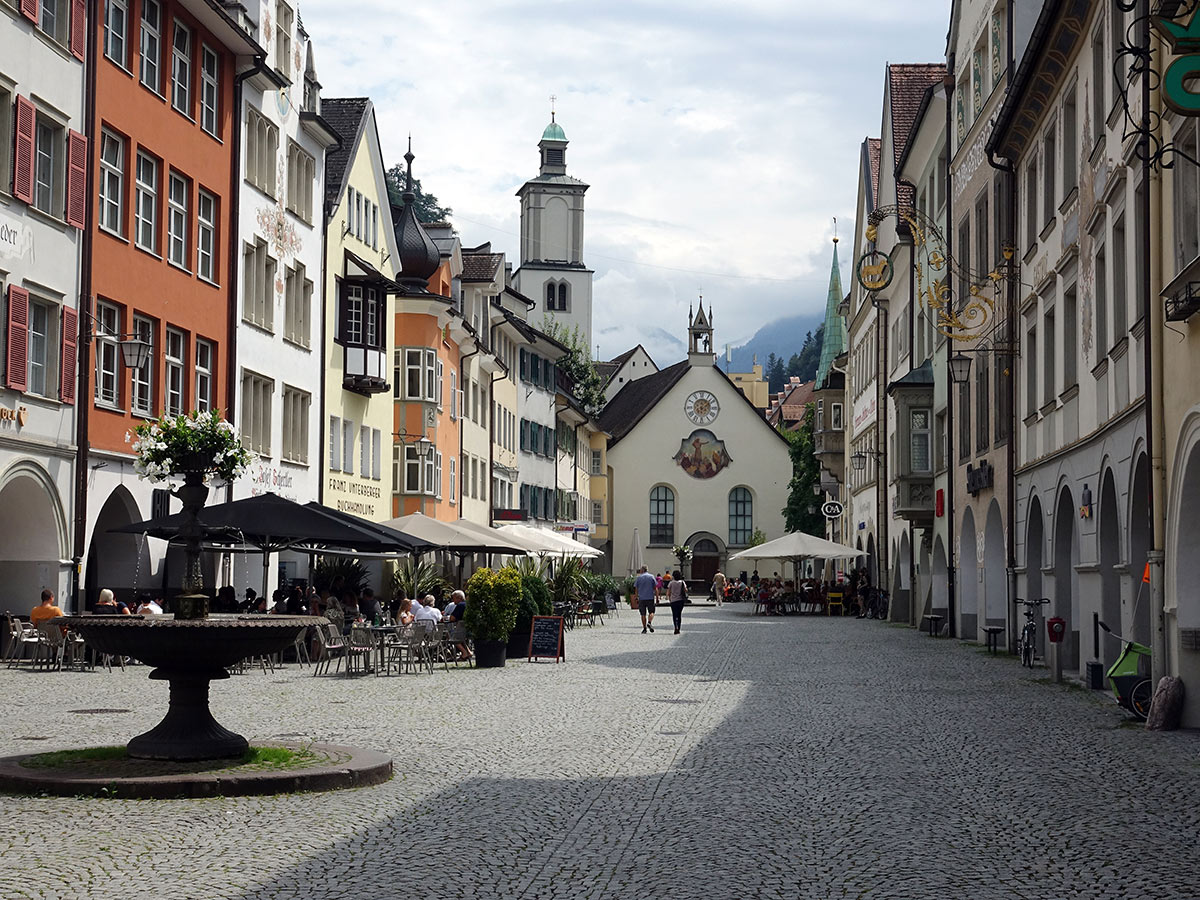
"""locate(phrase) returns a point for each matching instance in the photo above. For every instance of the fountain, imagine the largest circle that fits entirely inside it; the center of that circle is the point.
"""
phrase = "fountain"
(189, 648)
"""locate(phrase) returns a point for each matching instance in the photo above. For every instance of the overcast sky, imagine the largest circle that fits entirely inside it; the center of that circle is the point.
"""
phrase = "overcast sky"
(719, 138)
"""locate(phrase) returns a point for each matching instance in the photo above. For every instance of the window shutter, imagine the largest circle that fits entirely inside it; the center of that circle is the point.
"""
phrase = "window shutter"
(524, 365)
(66, 381)
(76, 179)
(23, 151)
(18, 337)
(29, 9)
(78, 28)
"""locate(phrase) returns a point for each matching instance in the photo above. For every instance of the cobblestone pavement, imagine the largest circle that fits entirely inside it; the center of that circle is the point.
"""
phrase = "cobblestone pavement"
(747, 757)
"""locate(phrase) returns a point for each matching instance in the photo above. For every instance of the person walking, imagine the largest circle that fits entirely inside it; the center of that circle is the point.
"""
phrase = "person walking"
(677, 596)
(646, 586)
(719, 587)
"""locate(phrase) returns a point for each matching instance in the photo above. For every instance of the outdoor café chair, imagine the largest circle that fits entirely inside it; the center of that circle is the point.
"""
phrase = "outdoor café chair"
(457, 634)
(50, 646)
(359, 649)
(329, 638)
(20, 635)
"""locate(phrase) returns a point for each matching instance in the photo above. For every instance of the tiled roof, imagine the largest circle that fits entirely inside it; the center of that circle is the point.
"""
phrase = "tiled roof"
(794, 399)
(345, 116)
(873, 150)
(480, 266)
(907, 83)
(637, 398)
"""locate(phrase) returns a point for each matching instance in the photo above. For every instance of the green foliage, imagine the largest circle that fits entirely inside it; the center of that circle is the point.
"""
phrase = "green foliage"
(492, 602)
(197, 442)
(425, 205)
(566, 585)
(804, 364)
(757, 537)
(532, 565)
(806, 472)
(577, 365)
(775, 374)
(628, 585)
(352, 572)
(416, 578)
(598, 585)
(534, 587)
(57, 758)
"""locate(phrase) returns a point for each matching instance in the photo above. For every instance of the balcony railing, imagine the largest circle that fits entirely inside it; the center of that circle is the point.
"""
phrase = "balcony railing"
(914, 498)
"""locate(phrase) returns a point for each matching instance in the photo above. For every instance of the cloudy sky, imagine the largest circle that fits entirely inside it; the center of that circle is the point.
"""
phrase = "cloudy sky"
(719, 139)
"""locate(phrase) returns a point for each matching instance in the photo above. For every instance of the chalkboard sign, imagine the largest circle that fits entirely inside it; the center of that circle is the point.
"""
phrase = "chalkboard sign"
(546, 638)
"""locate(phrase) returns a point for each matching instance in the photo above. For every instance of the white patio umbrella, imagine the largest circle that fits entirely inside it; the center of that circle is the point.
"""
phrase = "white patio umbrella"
(636, 559)
(538, 540)
(798, 545)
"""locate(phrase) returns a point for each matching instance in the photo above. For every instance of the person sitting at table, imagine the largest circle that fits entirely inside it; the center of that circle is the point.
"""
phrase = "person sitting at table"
(147, 606)
(107, 605)
(404, 612)
(45, 610)
(368, 605)
(429, 611)
(457, 609)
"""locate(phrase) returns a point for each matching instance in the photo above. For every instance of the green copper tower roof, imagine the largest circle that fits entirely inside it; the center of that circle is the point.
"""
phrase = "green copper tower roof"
(553, 131)
(834, 341)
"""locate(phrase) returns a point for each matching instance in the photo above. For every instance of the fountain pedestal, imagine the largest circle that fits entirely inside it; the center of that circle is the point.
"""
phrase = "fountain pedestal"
(189, 654)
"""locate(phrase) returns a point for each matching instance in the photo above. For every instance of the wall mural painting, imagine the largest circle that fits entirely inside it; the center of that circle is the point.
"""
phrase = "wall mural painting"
(701, 454)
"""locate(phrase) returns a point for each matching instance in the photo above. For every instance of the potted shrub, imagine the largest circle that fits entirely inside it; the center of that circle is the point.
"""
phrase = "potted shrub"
(629, 590)
(535, 601)
(492, 602)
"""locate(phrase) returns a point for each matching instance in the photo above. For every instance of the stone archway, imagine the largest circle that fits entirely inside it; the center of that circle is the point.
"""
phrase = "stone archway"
(968, 578)
(873, 562)
(1035, 531)
(939, 598)
(1066, 579)
(901, 581)
(707, 553)
(119, 562)
(32, 537)
(1139, 541)
(1108, 541)
(995, 568)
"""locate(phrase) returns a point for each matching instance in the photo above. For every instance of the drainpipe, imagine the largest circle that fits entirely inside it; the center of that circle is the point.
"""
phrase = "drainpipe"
(951, 461)
(1150, 210)
(1010, 451)
(912, 302)
(83, 340)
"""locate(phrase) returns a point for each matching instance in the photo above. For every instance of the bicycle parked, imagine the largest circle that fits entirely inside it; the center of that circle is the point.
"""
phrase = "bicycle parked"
(1027, 643)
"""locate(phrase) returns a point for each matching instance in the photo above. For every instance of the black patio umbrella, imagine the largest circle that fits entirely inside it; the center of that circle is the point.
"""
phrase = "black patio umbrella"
(271, 523)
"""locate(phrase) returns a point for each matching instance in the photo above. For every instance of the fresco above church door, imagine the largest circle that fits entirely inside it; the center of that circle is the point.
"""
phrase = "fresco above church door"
(701, 454)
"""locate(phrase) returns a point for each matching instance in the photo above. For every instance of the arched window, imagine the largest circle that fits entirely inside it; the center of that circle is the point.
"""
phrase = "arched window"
(741, 517)
(662, 515)
(705, 547)
(562, 297)
(550, 295)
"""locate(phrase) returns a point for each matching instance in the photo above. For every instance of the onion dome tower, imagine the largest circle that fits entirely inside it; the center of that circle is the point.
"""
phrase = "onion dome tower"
(419, 257)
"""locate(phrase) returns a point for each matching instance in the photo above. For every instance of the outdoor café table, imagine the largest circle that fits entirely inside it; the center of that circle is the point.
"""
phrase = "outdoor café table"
(380, 633)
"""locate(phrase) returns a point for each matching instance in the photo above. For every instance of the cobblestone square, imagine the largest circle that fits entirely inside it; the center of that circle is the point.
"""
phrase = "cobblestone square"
(746, 757)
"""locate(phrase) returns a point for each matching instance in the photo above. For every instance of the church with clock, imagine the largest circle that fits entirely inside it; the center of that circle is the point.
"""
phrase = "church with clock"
(692, 461)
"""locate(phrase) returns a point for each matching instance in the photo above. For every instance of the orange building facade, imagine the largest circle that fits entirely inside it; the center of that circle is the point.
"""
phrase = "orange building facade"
(164, 169)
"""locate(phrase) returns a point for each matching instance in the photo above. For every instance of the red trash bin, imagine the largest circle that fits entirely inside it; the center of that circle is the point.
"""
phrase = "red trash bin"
(1056, 628)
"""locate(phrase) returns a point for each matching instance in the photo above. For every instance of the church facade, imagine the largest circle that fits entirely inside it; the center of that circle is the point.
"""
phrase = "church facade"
(692, 461)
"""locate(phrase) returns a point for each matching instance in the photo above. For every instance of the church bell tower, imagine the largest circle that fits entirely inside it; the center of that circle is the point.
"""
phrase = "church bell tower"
(700, 336)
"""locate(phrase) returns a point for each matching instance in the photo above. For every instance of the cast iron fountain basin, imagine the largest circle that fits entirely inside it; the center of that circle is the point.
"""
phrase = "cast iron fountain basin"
(189, 653)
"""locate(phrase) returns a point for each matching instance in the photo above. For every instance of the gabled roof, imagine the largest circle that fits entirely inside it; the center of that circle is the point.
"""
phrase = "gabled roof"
(793, 398)
(637, 398)
(907, 83)
(480, 267)
(347, 117)
(611, 367)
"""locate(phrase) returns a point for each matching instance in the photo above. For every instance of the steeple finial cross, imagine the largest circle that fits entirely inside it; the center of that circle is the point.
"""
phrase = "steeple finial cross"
(553, 97)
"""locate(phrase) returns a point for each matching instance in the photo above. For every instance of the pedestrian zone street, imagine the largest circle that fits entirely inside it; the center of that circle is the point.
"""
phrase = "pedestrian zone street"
(747, 757)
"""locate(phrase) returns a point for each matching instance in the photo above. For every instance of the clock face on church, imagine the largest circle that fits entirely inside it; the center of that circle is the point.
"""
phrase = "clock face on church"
(702, 407)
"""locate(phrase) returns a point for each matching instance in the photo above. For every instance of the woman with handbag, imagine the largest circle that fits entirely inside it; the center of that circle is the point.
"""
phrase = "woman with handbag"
(678, 597)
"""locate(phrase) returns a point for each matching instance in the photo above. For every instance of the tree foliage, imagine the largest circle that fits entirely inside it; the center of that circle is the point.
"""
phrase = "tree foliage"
(426, 206)
(806, 472)
(802, 365)
(775, 373)
(577, 365)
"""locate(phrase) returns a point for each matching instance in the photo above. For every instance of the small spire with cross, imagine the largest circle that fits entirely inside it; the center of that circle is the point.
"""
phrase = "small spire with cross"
(553, 98)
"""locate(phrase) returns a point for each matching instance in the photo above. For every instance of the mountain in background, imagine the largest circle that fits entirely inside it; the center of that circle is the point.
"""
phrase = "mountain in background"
(783, 337)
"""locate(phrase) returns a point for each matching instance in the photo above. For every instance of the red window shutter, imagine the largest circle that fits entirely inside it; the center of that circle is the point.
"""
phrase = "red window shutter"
(78, 28)
(18, 337)
(76, 179)
(66, 382)
(23, 151)
(29, 9)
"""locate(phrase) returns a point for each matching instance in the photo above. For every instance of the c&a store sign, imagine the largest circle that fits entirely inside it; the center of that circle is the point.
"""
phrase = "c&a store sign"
(1180, 86)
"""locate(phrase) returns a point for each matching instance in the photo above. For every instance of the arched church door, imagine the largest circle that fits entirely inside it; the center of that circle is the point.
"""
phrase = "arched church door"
(706, 560)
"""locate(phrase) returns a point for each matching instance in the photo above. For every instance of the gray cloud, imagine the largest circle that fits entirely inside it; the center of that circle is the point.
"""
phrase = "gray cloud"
(719, 139)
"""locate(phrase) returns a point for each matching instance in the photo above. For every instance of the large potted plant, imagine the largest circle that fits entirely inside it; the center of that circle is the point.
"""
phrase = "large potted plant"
(492, 601)
(535, 601)
(193, 447)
